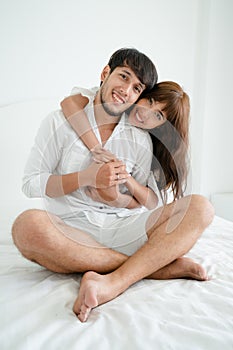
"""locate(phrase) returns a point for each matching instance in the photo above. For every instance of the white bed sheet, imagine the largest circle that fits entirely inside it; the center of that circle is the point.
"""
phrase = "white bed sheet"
(36, 306)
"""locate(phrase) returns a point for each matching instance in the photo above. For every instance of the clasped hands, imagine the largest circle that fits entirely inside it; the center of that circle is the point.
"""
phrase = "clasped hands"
(107, 173)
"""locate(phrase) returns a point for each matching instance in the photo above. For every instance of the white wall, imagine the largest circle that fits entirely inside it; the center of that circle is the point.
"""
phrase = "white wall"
(217, 160)
(48, 46)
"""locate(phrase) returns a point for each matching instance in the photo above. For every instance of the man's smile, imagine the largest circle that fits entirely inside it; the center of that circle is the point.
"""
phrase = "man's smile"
(118, 98)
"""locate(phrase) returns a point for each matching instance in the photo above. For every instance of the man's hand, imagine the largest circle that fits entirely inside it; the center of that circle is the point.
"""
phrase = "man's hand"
(103, 175)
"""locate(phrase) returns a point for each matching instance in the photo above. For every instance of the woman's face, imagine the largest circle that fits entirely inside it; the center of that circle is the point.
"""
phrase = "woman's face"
(147, 114)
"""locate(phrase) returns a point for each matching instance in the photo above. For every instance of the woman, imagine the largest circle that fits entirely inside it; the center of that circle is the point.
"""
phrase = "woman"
(164, 113)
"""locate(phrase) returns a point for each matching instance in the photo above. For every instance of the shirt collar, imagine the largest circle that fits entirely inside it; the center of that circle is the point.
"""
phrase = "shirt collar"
(123, 123)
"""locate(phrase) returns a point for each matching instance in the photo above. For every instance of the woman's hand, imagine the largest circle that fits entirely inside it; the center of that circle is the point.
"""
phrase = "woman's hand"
(103, 175)
(101, 155)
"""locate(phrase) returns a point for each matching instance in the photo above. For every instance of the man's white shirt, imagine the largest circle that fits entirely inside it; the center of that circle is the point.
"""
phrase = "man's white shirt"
(58, 150)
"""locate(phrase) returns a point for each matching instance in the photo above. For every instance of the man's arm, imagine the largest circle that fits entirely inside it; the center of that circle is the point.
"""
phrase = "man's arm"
(100, 176)
(40, 177)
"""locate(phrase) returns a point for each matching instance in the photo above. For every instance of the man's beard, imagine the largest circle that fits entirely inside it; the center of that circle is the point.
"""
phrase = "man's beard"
(107, 106)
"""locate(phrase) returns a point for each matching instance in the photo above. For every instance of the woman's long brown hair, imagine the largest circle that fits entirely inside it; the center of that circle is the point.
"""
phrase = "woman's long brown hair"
(171, 140)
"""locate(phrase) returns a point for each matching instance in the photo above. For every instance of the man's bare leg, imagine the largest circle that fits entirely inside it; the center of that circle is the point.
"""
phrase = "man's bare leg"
(187, 219)
(181, 268)
(42, 238)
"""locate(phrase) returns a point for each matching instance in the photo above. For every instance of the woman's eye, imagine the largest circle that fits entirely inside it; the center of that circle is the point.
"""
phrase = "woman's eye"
(159, 116)
(150, 100)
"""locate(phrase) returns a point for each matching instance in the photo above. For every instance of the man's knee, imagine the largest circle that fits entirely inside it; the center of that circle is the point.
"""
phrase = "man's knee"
(203, 209)
(25, 227)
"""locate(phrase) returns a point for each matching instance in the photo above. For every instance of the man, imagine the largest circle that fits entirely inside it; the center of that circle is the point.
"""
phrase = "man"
(76, 234)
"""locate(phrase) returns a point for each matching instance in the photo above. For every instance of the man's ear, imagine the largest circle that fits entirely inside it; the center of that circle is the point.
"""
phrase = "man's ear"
(105, 72)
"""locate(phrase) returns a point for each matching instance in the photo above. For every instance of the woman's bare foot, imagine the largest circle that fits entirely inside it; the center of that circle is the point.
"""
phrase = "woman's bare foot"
(181, 268)
(95, 289)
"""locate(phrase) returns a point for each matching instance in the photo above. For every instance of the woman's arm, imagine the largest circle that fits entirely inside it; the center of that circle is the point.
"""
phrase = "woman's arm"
(112, 197)
(144, 195)
(140, 196)
(73, 110)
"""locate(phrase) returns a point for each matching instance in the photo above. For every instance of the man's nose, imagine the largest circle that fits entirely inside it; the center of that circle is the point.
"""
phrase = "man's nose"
(126, 89)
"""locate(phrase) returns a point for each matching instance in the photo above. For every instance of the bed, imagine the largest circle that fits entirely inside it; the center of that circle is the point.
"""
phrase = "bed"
(36, 304)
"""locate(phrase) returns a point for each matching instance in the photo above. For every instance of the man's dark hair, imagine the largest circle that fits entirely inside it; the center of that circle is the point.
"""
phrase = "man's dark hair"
(140, 64)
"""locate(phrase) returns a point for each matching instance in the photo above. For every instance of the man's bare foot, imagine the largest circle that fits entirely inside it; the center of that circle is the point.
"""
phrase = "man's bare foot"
(95, 289)
(181, 268)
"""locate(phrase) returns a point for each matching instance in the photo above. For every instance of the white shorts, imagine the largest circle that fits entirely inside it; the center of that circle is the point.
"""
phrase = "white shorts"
(124, 234)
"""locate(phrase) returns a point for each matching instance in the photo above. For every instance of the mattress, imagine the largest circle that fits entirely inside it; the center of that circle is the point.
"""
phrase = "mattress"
(36, 305)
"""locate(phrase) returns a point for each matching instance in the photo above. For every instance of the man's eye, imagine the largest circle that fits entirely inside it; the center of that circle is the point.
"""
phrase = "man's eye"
(138, 89)
(123, 76)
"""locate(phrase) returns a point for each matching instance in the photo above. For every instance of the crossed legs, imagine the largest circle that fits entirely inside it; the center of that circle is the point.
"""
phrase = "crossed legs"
(172, 231)
(177, 228)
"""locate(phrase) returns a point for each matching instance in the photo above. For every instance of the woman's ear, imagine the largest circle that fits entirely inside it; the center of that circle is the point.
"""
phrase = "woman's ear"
(105, 73)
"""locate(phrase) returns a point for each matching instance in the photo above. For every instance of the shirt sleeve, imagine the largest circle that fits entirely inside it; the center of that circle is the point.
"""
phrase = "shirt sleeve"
(44, 156)
(141, 170)
(153, 185)
(89, 93)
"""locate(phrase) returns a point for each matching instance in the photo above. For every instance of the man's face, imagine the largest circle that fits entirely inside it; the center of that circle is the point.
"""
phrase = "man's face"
(119, 90)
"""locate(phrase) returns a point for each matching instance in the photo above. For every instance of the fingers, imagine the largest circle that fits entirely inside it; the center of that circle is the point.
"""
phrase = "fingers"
(120, 175)
(103, 159)
(120, 179)
(111, 174)
(118, 165)
(100, 155)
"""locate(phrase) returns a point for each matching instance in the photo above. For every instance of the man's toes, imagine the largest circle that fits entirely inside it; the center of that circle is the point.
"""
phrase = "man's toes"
(76, 307)
(84, 313)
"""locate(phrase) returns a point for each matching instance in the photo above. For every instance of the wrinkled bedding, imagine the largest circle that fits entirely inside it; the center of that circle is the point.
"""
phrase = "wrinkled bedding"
(36, 305)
